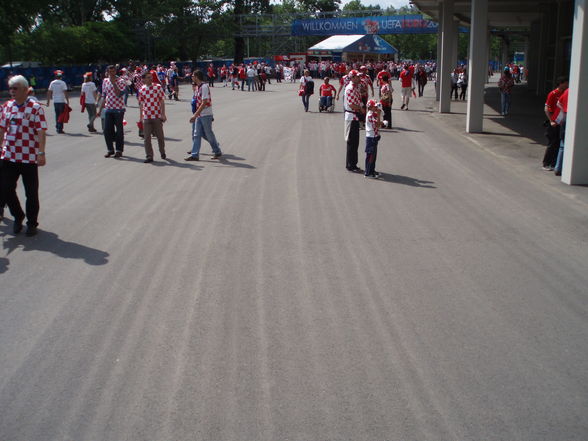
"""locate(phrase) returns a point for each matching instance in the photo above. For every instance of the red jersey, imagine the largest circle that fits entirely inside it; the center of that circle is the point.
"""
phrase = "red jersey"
(327, 90)
(551, 103)
(406, 78)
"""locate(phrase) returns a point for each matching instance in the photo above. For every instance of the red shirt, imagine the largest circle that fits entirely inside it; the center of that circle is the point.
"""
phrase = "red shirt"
(563, 100)
(327, 89)
(551, 103)
(21, 125)
(406, 78)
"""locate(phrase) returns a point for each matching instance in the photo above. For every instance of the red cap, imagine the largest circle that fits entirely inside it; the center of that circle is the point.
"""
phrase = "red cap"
(371, 103)
(353, 73)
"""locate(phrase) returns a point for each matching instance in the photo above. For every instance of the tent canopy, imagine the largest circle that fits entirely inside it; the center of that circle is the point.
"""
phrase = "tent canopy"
(368, 44)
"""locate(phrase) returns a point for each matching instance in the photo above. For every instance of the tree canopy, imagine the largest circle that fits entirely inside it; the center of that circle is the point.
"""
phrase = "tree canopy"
(89, 31)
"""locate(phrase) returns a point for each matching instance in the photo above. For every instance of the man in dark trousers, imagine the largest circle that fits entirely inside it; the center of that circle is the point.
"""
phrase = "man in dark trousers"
(353, 113)
(552, 128)
(22, 133)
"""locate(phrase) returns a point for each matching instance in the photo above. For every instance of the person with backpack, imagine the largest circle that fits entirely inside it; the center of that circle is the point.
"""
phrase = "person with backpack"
(306, 88)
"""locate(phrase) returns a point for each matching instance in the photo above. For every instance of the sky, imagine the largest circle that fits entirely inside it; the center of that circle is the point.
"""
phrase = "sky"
(382, 3)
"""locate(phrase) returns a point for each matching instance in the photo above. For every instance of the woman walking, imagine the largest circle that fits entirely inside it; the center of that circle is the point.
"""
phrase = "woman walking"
(306, 88)
(505, 84)
(90, 96)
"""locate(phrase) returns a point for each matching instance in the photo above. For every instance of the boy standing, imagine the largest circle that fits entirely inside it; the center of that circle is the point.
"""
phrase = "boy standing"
(372, 129)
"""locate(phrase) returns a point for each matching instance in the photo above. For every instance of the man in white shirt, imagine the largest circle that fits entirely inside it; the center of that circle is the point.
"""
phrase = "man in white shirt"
(202, 119)
(58, 91)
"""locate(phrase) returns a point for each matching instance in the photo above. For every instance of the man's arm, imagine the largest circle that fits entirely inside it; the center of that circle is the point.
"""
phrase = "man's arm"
(163, 117)
(49, 96)
(41, 137)
(66, 93)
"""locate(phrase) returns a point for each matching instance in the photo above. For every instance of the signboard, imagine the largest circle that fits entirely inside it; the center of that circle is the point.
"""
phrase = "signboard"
(388, 24)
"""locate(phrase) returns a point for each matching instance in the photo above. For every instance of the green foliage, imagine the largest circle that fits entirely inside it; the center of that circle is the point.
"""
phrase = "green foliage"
(87, 31)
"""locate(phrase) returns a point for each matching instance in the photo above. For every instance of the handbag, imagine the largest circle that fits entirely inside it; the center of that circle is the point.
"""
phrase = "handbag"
(300, 92)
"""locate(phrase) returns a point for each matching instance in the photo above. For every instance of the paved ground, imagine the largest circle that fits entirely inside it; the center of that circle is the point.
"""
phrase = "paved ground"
(275, 296)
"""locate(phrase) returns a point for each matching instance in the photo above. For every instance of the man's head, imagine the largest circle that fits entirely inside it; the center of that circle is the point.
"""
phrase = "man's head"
(19, 88)
(562, 83)
(147, 78)
(111, 70)
(326, 80)
(354, 76)
(372, 105)
(58, 74)
(197, 77)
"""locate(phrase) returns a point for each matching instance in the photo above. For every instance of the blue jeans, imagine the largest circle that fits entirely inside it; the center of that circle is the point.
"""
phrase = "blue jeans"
(305, 102)
(505, 103)
(249, 84)
(326, 101)
(202, 128)
(371, 153)
(559, 162)
(59, 107)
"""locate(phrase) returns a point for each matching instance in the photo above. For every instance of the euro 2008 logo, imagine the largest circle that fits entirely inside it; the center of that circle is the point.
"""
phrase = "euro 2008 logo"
(371, 26)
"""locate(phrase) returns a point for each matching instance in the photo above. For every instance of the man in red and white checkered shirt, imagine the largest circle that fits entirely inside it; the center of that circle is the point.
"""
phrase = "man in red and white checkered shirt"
(152, 114)
(353, 112)
(113, 103)
(22, 131)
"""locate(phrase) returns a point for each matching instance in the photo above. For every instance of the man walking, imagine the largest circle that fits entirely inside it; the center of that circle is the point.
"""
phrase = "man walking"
(353, 111)
(552, 131)
(58, 91)
(202, 119)
(152, 113)
(113, 104)
(22, 131)
(406, 78)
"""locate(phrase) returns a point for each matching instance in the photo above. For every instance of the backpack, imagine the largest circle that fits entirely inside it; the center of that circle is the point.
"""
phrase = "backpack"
(309, 87)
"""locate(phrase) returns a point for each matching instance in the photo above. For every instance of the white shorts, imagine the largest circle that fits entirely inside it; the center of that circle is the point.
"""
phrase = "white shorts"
(406, 92)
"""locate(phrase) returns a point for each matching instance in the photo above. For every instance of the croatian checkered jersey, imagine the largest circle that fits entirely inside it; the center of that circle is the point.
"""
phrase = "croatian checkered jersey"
(371, 124)
(150, 98)
(113, 100)
(21, 125)
(352, 97)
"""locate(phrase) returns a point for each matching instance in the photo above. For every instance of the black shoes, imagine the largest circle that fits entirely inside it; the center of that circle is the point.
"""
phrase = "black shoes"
(31, 231)
(118, 154)
(148, 160)
(163, 156)
(109, 154)
(192, 158)
(216, 156)
(17, 228)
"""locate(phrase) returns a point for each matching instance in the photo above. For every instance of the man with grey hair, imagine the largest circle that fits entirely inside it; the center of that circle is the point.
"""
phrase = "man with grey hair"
(22, 131)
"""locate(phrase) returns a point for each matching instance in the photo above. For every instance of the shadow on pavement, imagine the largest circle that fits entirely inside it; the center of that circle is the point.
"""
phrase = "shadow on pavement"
(406, 180)
(4, 262)
(51, 243)
(227, 160)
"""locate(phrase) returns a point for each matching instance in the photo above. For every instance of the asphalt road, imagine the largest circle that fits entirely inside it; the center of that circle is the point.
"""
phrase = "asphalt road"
(275, 296)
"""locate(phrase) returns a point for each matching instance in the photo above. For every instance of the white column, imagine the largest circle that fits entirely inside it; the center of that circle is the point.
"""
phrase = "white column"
(478, 66)
(444, 70)
(454, 48)
(437, 81)
(575, 164)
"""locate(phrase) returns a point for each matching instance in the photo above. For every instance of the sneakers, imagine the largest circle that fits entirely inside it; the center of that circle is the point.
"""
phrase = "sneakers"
(192, 158)
(163, 156)
(118, 154)
(216, 156)
(547, 168)
(402, 107)
(148, 160)
(31, 231)
(109, 154)
(374, 176)
(17, 228)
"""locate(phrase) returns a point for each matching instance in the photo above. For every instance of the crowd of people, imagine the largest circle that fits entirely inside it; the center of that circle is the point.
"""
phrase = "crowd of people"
(366, 89)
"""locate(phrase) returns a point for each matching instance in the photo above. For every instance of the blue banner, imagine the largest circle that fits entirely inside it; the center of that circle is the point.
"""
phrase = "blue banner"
(387, 24)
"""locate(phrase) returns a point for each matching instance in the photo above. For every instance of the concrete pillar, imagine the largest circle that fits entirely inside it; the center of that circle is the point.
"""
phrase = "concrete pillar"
(438, 59)
(454, 48)
(575, 165)
(444, 70)
(478, 66)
